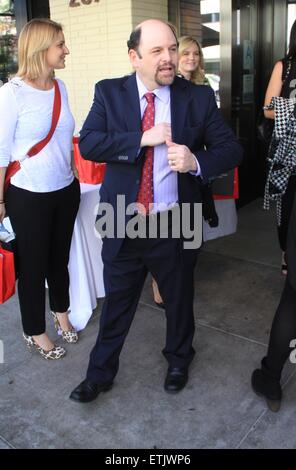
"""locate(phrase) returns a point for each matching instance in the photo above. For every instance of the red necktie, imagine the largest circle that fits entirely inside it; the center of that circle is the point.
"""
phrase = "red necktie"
(145, 194)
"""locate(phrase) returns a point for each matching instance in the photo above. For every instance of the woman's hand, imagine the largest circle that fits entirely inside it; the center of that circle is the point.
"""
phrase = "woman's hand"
(75, 172)
(2, 204)
(74, 169)
(2, 211)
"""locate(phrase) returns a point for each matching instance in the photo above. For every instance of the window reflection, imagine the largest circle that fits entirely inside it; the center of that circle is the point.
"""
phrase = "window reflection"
(291, 18)
(8, 41)
(210, 17)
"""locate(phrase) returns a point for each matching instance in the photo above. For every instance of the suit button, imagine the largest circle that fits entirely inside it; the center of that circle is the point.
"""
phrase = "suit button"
(138, 182)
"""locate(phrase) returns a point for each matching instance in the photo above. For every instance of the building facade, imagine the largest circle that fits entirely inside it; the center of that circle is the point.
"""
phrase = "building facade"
(241, 40)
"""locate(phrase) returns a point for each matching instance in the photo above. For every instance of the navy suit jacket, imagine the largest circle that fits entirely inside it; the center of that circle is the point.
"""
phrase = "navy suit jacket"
(112, 133)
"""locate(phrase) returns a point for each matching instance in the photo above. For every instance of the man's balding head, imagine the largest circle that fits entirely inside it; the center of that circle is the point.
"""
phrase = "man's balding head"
(153, 52)
(135, 37)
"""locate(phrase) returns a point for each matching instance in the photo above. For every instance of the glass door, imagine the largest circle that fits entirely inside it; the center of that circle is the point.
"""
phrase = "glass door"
(291, 17)
(244, 94)
(210, 40)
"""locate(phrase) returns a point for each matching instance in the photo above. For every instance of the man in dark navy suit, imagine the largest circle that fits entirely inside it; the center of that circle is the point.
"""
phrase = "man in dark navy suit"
(162, 137)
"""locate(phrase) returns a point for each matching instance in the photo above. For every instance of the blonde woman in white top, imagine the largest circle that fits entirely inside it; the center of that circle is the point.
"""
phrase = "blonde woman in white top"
(43, 197)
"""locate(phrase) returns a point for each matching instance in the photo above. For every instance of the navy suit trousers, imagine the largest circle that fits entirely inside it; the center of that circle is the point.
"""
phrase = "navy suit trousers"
(124, 277)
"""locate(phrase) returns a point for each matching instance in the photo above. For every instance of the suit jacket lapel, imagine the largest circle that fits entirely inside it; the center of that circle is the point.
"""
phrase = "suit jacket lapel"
(179, 106)
(131, 104)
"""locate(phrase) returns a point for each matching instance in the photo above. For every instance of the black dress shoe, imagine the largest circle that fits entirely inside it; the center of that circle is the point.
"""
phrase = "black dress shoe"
(268, 387)
(176, 379)
(87, 391)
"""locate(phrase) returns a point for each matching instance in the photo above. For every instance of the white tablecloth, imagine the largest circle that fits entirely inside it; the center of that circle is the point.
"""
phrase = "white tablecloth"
(85, 264)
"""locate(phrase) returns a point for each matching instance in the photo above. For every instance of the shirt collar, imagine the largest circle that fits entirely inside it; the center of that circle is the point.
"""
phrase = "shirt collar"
(162, 93)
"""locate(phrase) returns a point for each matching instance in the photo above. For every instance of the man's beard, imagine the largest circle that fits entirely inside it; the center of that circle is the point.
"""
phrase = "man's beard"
(162, 81)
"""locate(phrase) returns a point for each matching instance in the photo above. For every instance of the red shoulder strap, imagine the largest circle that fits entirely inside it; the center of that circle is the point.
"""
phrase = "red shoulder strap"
(15, 166)
(55, 117)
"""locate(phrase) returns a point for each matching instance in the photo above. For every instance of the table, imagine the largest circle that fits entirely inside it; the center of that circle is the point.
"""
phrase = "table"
(85, 263)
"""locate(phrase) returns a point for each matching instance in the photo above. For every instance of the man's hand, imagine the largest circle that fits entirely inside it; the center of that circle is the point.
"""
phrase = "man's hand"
(180, 158)
(157, 135)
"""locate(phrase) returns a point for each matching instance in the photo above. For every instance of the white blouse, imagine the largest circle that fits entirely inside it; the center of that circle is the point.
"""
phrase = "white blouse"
(25, 119)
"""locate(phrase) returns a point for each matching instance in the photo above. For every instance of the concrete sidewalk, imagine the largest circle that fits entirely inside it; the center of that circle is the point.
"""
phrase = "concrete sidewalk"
(238, 285)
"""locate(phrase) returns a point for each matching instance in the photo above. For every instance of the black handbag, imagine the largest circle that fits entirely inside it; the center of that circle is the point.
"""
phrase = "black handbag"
(265, 128)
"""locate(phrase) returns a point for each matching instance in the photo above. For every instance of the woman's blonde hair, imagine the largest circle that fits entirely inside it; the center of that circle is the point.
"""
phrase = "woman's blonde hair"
(198, 76)
(34, 40)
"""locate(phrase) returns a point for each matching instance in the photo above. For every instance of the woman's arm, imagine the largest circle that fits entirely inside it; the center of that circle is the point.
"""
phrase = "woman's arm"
(2, 204)
(8, 122)
(274, 87)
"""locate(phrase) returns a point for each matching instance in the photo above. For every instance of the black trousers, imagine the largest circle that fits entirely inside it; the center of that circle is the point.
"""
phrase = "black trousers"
(283, 331)
(43, 224)
(124, 277)
(287, 204)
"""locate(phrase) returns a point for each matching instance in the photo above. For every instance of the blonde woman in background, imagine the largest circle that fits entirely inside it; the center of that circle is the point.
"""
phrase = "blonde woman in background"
(191, 61)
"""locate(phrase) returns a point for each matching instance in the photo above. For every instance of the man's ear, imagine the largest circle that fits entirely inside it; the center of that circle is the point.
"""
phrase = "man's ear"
(134, 58)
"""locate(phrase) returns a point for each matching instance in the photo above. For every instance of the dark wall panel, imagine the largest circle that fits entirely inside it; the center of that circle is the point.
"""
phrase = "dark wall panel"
(190, 18)
(38, 9)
